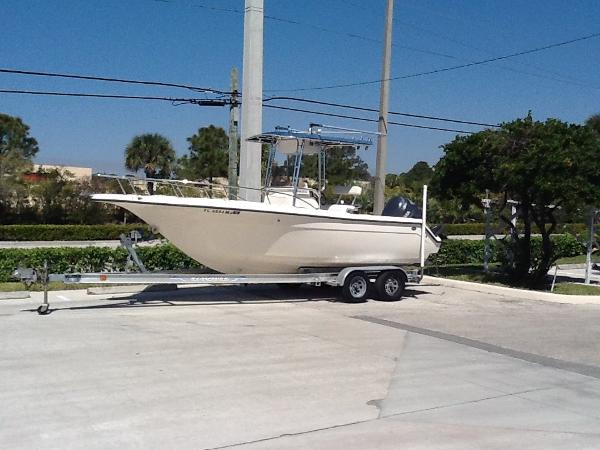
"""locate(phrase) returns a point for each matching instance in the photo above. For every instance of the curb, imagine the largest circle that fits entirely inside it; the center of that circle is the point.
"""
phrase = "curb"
(513, 292)
(14, 295)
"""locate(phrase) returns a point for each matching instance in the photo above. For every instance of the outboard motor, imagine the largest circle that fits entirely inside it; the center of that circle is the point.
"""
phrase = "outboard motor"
(402, 207)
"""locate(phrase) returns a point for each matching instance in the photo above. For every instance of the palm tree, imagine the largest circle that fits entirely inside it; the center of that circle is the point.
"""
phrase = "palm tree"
(152, 153)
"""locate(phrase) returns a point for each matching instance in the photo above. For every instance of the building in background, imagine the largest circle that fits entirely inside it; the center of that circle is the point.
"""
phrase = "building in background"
(75, 173)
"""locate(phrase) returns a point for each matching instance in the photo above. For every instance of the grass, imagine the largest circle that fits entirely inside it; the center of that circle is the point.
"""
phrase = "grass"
(576, 289)
(52, 286)
(579, 259)
(469, 272)
(474, 273)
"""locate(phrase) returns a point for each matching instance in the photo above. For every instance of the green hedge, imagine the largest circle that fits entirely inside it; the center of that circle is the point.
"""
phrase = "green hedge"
(112, 231)
(168, 257)
(463, 252)
(91, 259)
(461, 229)
(67, 232)
(457, 251)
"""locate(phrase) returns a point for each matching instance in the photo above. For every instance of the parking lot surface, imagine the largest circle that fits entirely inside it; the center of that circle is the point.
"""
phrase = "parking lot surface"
(258, 367)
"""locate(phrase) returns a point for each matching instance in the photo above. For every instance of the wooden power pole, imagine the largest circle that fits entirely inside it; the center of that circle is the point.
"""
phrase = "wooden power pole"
(384, 99)
(232, 173)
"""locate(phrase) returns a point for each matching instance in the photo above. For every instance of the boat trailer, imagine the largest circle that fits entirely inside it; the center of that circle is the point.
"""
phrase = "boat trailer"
(356, 283)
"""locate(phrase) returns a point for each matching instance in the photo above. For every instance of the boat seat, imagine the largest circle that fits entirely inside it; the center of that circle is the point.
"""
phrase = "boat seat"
(284, 196)
(353, 191)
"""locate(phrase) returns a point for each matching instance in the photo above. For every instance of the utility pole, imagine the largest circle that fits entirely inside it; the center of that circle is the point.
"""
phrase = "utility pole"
(233, 136)
(590, 247)
(250, 152)
(487, 253)
(384, 99)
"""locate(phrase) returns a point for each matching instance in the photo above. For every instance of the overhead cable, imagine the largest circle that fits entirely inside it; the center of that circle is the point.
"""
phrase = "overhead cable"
(113, 80)
(360, 108)
(364, 119)
(444, 69)
(217, 102)
(202, 102)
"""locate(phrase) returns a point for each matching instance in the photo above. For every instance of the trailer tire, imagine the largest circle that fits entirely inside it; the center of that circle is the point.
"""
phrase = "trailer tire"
(390, 285)
(356, 287)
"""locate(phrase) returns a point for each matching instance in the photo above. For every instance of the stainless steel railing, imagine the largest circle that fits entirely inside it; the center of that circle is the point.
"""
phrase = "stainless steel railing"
(131, 184)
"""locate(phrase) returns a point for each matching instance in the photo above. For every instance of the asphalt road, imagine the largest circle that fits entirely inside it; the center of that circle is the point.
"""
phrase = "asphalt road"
(256, 368)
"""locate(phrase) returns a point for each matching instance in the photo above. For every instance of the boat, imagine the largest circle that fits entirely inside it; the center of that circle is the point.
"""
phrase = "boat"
(290, 231)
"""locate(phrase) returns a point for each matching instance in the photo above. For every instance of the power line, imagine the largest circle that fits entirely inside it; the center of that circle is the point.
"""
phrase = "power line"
(360, 108)
(114, 80)
(553, 75)
(311, 25)
(444, 69)
(558, 77)
(364, 119)
(201, 102)
(214, 102)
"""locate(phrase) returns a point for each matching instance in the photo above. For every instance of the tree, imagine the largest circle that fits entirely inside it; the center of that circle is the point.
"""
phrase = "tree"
(409, 183)
(343, 166)
(17, 148)
(594, 123)
(207, 156)
(151, 153)
(542, 165)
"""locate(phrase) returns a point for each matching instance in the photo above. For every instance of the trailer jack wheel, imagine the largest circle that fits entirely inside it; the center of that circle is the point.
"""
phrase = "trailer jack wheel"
(43, 309)
(356, 287)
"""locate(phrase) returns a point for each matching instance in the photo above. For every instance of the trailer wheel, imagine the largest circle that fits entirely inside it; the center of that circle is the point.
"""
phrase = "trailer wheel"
(356, 287)
(390, 285)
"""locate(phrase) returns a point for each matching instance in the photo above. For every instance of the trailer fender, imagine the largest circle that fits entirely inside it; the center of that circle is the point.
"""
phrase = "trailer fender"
(370, 270)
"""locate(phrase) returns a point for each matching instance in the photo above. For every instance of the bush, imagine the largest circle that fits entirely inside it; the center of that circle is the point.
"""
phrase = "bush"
(67, 232)
(91, 259)
(463, 252)
(461, 229)
(565, 245)
(457, 251)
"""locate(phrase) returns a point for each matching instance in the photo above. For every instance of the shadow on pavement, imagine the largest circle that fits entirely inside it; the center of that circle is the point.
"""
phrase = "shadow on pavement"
(223, 295)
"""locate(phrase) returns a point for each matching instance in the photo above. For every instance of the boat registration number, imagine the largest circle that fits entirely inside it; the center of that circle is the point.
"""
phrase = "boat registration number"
(221, 211)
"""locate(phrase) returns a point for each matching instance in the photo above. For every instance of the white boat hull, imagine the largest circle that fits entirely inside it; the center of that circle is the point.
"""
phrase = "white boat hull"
(243, 237)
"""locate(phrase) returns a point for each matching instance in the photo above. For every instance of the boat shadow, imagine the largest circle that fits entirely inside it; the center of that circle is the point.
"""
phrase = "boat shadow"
(206, 296)
(224, 295)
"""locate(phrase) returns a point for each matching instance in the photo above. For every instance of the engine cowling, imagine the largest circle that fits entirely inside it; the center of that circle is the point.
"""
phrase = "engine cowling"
(402, 207)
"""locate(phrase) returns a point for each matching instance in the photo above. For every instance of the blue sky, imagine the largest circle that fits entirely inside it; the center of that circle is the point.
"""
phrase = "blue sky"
(182, 41)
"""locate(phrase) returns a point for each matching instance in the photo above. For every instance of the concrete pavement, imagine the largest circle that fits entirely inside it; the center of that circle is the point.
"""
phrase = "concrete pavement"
(260, 368)
(574, 273)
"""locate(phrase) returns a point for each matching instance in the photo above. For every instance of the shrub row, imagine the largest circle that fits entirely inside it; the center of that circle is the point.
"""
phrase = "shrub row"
(91, 259)
(168, 257)
(67, 232)
(461, 229)
(112, 231)
(472, 252)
